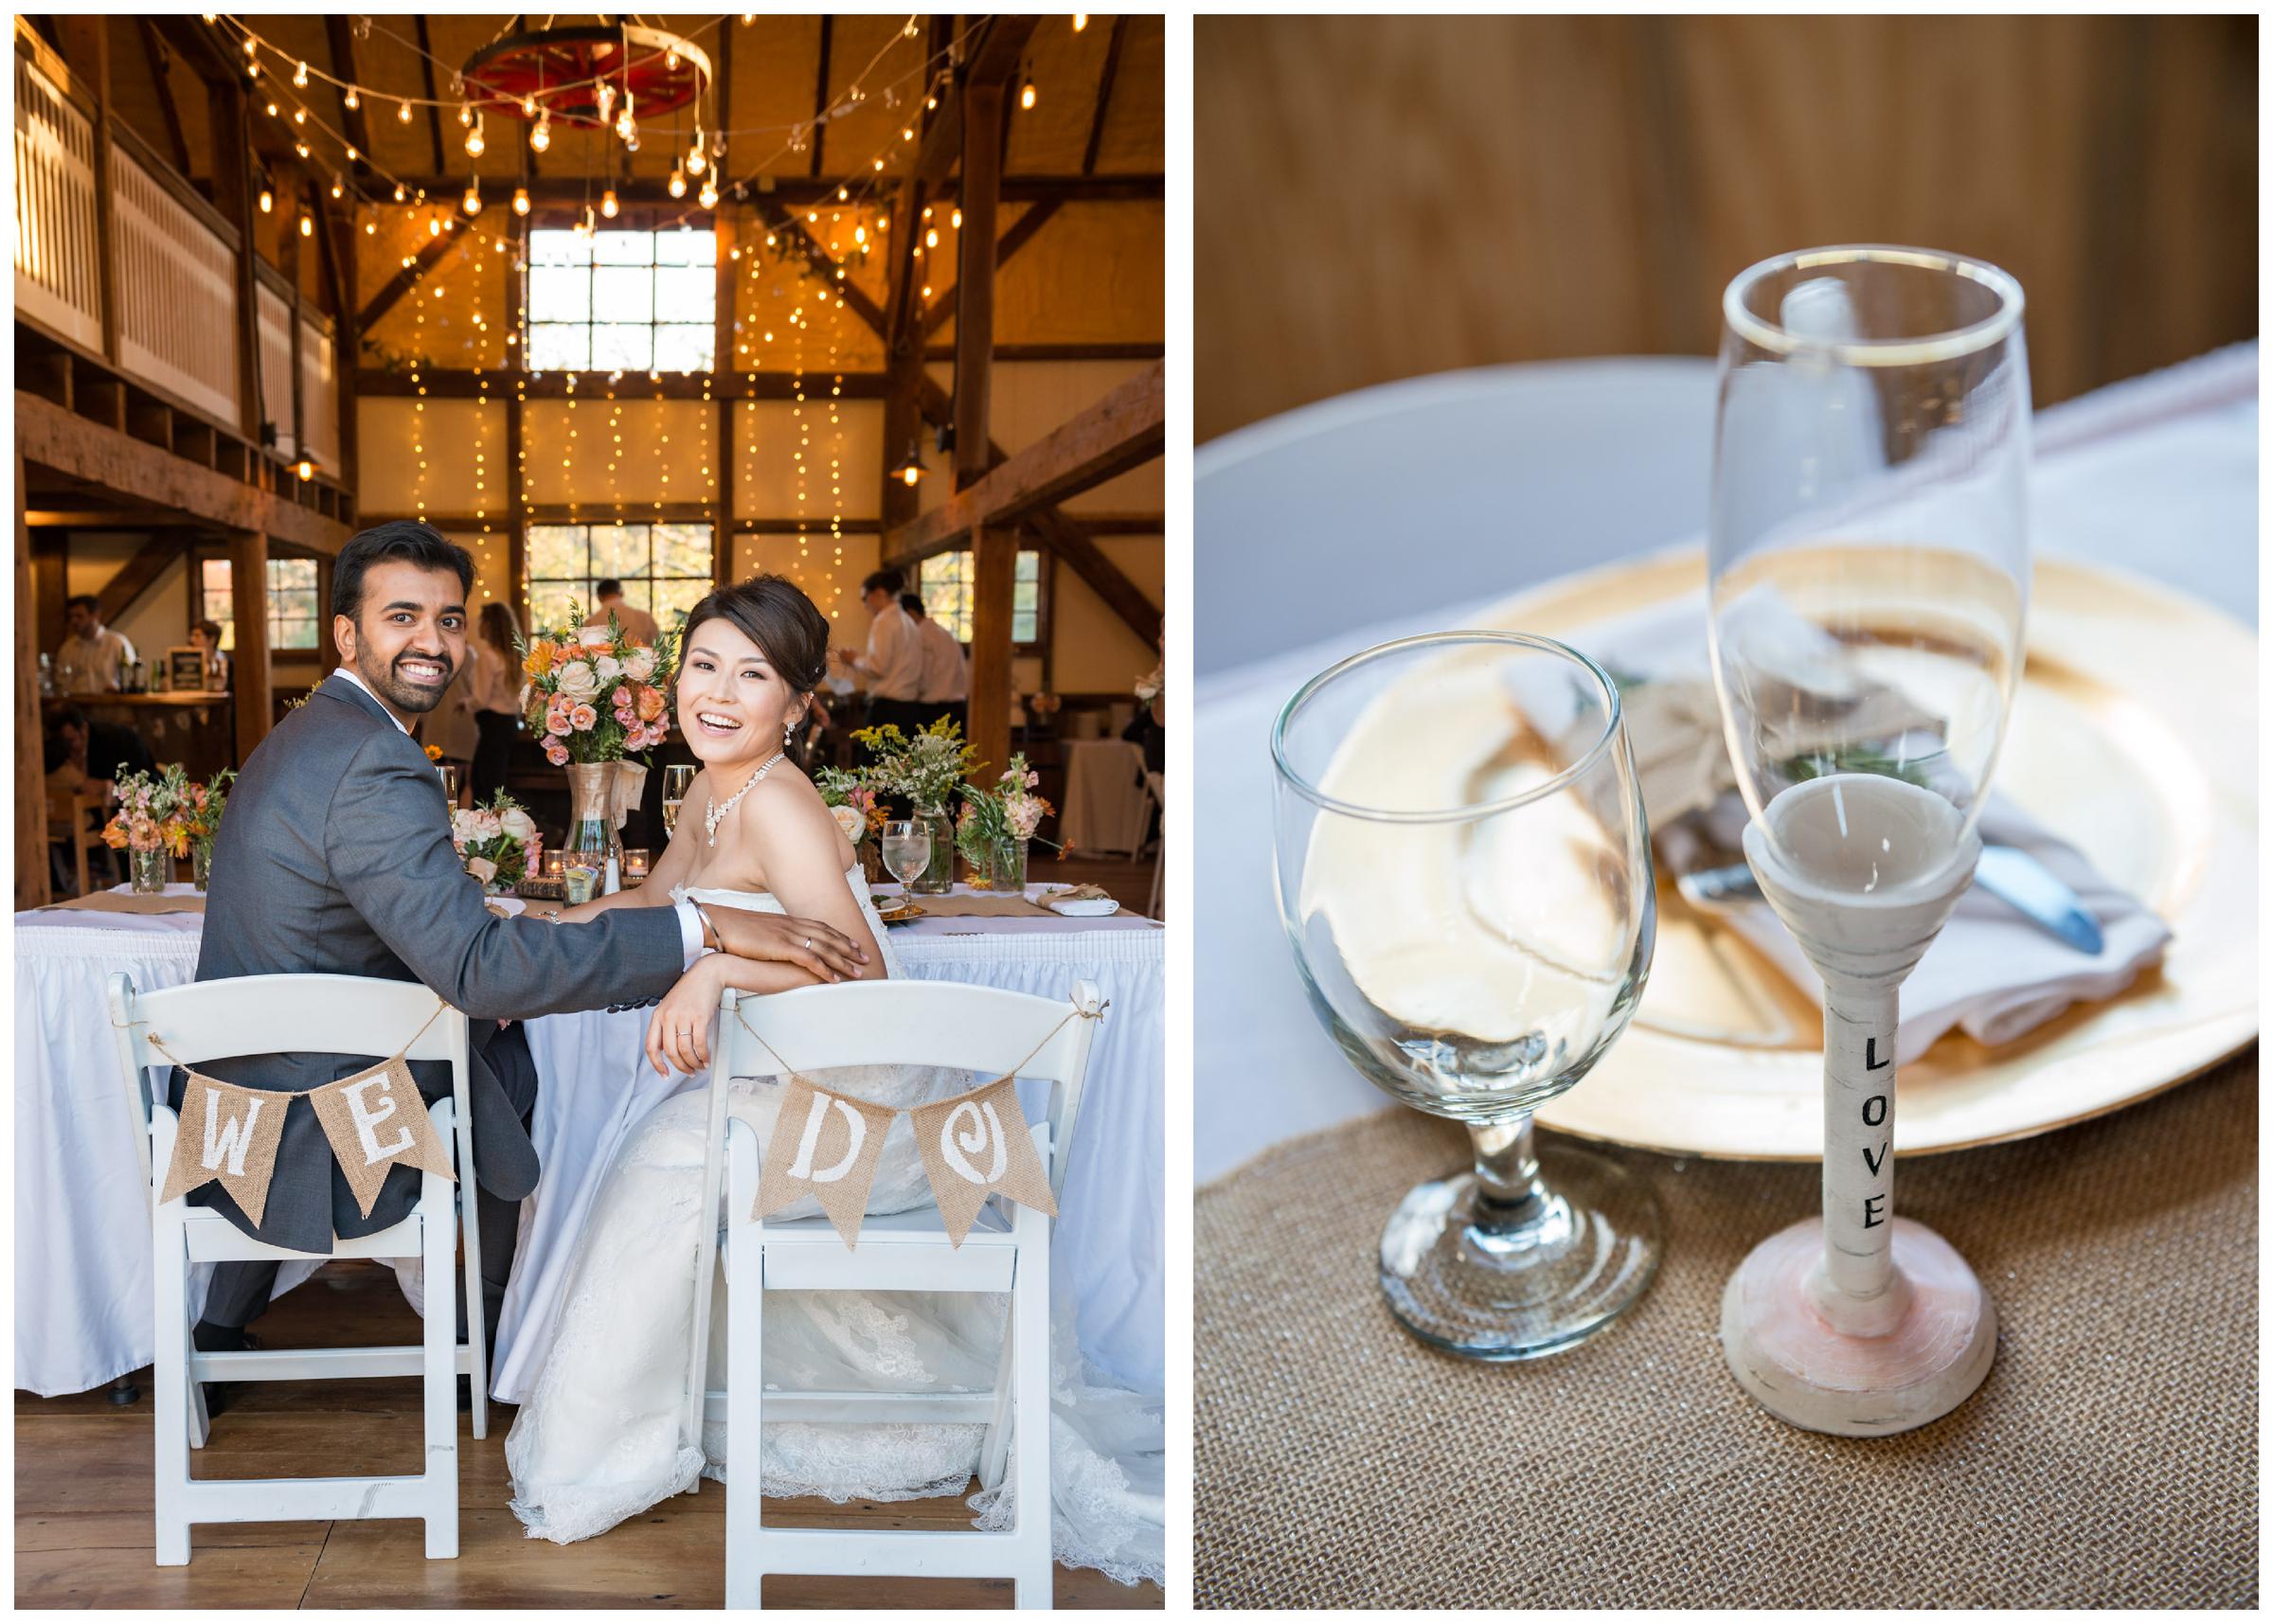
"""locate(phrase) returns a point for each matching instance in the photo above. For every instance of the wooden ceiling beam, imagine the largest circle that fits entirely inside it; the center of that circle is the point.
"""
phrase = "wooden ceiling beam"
(156, 55)
(450, 384)
(434, 112)
(942, 310)
(341, 30)
(402, 283)
(800, 192)
(1104, 95)
(778, 216)
(819, 131)
(138, 574)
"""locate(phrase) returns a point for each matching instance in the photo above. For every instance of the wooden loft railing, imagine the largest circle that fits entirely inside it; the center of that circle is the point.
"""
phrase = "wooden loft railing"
(171, 348)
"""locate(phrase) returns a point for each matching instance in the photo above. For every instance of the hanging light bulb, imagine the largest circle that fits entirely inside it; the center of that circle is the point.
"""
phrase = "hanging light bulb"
(528, 106)
(370, 228)
(353, 154)
(301, 115)
(520, 205)
(476, 145)
(605, 97)
(353, 100)
(338, 187)
(304, 468)
(465, 115)
(400, 194)
(607, 203)
(472, 201)
(1026, 96)
(403, 112)
(307, 225)
(626, 126)
(252, 70)
(268, 199)
(299, 76)
(670, 60)
(301, 147)
(957, 220)
(1080, 21)
(697, 159)
(434, 225)
(250, 47)
(677, 185)
(931, 238)
(708, 196)
(860, 235)
(540, 136)
(911, 470)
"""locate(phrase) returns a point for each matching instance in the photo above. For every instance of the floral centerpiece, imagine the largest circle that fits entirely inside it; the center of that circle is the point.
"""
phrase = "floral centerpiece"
(927, 769)
(593, 695)
(997, 824)
(498, 842)
(208, 801)
(157, 813)
(854, 802)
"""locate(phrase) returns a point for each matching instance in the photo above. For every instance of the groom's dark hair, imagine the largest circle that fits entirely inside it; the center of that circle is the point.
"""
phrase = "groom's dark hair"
(771, 612)
(404, 539)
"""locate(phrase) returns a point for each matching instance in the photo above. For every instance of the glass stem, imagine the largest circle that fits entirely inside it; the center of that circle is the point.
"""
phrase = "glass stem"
(1508, 1195)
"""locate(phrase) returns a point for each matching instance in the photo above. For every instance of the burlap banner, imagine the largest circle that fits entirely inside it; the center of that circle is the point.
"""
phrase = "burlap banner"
(825, 1146)
(374, 1120)
(976, 1145)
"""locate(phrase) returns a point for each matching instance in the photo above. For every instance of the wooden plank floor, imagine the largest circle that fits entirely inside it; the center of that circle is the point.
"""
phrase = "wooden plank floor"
(83, 1536)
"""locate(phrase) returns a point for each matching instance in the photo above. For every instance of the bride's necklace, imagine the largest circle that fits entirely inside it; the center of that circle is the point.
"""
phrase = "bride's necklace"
(717, 814)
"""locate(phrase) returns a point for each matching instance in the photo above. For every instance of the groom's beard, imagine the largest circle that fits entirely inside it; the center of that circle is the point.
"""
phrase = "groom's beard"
(414, 699)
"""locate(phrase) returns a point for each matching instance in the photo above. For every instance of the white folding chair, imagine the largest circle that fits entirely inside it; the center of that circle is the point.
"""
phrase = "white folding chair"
(982, 1030)
(284, 1015)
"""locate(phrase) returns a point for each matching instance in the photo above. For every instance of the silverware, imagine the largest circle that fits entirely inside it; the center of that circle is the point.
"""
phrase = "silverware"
(2005, 872)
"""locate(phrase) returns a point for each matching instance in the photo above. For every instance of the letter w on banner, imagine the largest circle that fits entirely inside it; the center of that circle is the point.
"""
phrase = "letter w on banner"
(825, 1146)
(375, 1119)
(976, 1145)
(229, 1133)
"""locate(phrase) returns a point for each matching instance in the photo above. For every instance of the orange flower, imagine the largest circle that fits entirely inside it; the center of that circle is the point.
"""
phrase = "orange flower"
(433, 751)
(650, 704)
(113, 834)
(539, 659)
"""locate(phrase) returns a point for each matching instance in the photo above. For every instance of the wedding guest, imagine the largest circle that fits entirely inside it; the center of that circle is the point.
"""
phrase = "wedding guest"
(89, 659)
(894, 663)
(205, 638)
(637, 624)
(1148, 729)
(496, 687)
(946, 672)
(96, 750)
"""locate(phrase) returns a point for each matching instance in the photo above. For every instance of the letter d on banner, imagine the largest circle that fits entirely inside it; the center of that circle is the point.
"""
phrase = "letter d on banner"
(825, 1146)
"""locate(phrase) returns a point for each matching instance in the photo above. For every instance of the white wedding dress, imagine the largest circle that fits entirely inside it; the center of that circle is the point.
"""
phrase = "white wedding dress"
(599, 1440)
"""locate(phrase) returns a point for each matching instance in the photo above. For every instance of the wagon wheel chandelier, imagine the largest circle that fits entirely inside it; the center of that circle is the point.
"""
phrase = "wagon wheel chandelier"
(600, 76)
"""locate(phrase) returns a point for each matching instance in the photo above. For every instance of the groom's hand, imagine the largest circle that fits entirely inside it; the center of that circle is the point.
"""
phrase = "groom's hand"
(821, 949)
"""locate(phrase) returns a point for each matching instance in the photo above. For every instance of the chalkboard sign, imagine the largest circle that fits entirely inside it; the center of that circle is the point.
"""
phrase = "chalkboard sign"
(184, 669)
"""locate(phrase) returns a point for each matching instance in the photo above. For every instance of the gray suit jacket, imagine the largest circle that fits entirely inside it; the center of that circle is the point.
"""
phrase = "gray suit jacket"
(335, 857)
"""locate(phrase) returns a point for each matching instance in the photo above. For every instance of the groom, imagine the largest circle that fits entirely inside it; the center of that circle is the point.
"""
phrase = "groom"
(335, 857)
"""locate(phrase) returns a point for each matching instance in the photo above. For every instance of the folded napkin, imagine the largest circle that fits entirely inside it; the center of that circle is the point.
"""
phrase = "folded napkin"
(1990, 973)
(1077, 894)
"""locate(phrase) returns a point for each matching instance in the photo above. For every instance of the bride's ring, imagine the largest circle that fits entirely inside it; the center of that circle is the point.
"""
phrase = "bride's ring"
(808, 944)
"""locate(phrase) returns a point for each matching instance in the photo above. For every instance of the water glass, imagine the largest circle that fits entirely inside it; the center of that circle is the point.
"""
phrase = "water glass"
(907, 850)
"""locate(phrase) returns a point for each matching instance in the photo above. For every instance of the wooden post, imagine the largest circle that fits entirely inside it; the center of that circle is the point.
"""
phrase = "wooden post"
(248, 598)
(87, 48)
(722, 359)
(232, 195)
(31, 773)
(993, 548)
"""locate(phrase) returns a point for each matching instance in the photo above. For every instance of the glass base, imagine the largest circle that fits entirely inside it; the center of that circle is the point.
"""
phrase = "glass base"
(1523, 1292)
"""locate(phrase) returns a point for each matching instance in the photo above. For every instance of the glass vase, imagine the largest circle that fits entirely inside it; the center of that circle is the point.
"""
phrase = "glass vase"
(938, 878)
(592, 858)
(149, 870)
(1005, 866)
(200, 865)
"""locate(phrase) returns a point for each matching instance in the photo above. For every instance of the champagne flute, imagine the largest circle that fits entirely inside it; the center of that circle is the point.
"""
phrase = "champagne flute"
(907, 850)
(1464, 872)
(1869, 577)
(677, 781)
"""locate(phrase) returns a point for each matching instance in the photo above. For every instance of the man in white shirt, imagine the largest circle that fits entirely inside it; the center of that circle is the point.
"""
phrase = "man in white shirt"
(88, 660)
(946, 672)
(894, 663)
(637, 624)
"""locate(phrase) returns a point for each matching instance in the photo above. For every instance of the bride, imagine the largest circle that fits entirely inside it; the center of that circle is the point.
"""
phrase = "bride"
(600, 1439)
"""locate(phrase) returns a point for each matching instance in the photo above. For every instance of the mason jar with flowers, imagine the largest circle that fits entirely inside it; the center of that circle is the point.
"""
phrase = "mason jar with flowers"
(593, 695)
(858, 811)
(927, 769)
(153, 824)
(997, 824)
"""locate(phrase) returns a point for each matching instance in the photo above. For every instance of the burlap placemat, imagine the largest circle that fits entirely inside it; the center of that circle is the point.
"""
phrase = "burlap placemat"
(128, 902)
(2109, 1459)
(979, 908)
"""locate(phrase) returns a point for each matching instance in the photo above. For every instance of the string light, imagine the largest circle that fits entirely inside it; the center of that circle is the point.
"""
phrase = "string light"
(307, 228)
(338, 186)
(955, 220)
(696, 158)
(1026, 98)
(677, 183)
(299, 76)
(540, 134)
(353, 100)
(472, 201)
(475, 144)
(403, 112)
(607, 203)
(708, 197)
(268, 199)
(519, 205)
(465, 113)
(1080, 21)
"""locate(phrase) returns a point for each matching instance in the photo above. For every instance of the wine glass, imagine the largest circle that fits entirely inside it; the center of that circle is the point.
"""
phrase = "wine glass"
(449, 772)
(1869, 590)
(907, 850)
(676, 782)
(1464, 872)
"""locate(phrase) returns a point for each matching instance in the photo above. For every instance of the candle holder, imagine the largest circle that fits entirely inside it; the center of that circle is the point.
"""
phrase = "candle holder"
(635, 867)
(1868, 589)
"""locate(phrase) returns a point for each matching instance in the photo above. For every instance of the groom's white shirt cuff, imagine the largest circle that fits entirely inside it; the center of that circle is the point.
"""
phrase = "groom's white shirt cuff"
(691, 923)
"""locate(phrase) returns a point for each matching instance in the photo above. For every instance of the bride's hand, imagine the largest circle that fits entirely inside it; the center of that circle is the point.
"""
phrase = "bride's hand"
(821, 951)
(679, 1031)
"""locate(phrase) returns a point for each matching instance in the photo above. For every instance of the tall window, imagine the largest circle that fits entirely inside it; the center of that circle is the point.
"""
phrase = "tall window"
(292, 606)
(634, 300)
(666, 569)
(945, 580)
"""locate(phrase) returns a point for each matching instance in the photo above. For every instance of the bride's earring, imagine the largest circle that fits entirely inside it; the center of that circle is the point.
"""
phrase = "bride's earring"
(789, 734)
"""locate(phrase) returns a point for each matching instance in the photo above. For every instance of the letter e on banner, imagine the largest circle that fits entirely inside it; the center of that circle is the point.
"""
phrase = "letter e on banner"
(976, 1145)
(229, 1133)
(374, 1120)
(825, 1146)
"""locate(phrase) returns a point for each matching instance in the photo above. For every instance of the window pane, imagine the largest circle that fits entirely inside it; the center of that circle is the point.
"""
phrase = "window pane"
(1023, 629)
(556, 550)
(621, 348)
(675, 598)
(555, 348)
(624, 294)
(557, 248)
(1025, 597)
(550, 602)
(684, 349)
(624, 248)
(686, 293)
(560, 293)
(1030, 566)
(687, 247)
(291, 634)
(619, 550)
(683, 550)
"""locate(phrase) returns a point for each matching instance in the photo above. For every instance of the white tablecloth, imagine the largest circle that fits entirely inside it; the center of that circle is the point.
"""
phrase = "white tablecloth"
(2156, 474)
(1105, 806)
(84, 1289)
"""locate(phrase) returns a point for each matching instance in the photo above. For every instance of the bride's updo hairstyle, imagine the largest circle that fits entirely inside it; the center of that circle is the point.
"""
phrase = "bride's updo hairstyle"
(782, 620)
